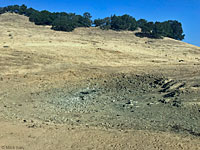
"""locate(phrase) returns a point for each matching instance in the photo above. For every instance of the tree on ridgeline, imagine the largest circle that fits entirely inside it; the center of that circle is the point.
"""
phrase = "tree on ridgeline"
(171, 28)
(62, 21)
(141, 23)
(104, 24)
(124, 22)
(117, 23)
(147, 28)
(87, 22)
(157, 31)
(41, 18)
(14, 9)
(98, 22)
(177, 30)
(22, 9)
(36, 18)
(29, 12)
(1, 10)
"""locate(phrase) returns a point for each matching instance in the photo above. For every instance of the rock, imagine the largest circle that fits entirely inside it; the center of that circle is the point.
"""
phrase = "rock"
(81, 97)
(19, 104)
(176, 103)
(171, 94)
(129, 102)
(165, 101)
(32, 126)
(149, 104)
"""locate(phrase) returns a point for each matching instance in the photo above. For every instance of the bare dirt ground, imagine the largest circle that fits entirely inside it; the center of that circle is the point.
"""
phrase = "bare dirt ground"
(94, 89)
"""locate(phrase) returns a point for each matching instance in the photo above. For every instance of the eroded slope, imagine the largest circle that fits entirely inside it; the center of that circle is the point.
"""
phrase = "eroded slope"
(104, 79)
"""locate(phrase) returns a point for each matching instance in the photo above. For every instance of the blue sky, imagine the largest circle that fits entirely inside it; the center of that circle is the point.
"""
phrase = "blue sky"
(185, 11)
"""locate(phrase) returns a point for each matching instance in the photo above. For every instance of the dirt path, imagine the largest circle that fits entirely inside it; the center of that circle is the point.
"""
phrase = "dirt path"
(51, 137)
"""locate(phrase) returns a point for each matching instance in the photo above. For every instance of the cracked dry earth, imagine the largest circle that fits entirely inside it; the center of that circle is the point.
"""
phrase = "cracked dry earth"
(94, 89)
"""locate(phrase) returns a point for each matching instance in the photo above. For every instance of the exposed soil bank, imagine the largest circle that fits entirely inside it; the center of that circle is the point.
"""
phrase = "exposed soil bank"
(118, 101)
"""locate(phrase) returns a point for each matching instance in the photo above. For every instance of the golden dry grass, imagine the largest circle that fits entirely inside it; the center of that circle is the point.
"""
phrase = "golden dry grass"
(35, 58)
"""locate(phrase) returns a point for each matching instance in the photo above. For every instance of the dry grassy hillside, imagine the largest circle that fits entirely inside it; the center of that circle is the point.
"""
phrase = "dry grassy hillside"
(120, 91)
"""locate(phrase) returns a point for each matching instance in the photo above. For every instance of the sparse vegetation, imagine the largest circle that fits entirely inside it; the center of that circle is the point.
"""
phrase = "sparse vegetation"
(62, 21)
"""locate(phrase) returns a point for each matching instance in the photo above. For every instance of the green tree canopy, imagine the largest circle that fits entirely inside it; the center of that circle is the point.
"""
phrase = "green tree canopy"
(68, 21)
(63, 23)
(141, 23)
(104, 24)
(124, 22)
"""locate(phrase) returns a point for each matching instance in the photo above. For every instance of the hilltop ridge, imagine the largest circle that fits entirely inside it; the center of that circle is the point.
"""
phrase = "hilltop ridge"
(62, 21)
(104, 48)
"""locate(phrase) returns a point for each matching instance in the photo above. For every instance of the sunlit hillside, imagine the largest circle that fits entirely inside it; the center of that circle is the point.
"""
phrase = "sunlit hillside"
(91, 88)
